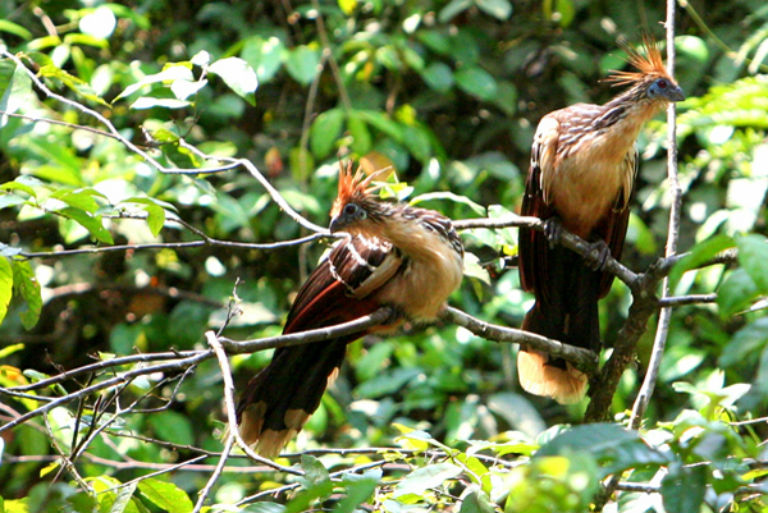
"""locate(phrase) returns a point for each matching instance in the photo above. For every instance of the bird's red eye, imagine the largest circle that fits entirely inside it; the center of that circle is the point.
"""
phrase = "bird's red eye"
(661, 83)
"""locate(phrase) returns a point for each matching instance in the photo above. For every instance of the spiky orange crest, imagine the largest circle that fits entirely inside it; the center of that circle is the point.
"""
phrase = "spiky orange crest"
(353, 186)
(648, 65)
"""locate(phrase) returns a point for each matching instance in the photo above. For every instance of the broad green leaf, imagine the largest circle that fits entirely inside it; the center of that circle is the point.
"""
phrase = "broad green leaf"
(23, 183)
(347, 6)
(358, 492)
(447, 195)
(387, 382)
(26, 285)
(436, 41)
(173, 427)
(683, 488)
(10, 200)
(438, 76)
(302, 501)
(614, 447)
(753, 257)
(302, 163)
(324, 132)
(91, 223)
(238, 75)
(7, 68)
(16, 30)
(476, 502)
(476, 82)
(148, 102)
(314, 470)
(165, 495)
(699, 254)
(453, 8)
(361, 137)
(264, 55)
(424, 478)
(564, 12)
(745, 343)
(6, 286)
(169, 74)
(100, 23)
(500, 9)
(303, 64)
(736, 293)
(155, 218)
(382, 122)
(183, 89)
(79, 198)
(416, 138)
(692, 46)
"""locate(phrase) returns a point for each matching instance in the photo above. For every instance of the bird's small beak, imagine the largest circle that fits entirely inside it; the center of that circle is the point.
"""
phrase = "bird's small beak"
(675, 94)
(337, 224)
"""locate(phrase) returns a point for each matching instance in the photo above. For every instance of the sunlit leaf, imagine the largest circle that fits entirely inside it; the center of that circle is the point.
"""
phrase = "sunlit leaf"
(238, 75)
(26, 285)
(325, 130)
(477, 82)
(424, 478)
(6, 286)
(303, 64)
(165, 495)
(500, 9)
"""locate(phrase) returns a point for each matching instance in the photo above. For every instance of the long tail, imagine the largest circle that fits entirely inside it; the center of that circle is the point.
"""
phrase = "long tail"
(568, 314)
(283, 395)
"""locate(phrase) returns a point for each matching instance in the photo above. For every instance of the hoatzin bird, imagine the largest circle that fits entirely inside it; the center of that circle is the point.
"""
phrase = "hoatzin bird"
(583, 167)
(396, 255)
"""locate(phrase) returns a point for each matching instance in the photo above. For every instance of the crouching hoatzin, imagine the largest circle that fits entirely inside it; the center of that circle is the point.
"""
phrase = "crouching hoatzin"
(397, 255)
(583, 167)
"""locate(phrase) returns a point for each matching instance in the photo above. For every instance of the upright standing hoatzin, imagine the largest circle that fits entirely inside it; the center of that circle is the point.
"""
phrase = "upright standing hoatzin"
(400, 256)
(583, 166)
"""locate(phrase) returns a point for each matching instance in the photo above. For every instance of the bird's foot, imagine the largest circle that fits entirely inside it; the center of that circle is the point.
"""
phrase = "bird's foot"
(600, 253)
(553, 230)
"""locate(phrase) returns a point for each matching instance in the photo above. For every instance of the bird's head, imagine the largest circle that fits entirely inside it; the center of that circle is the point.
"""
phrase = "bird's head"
(355, 207)
(650, 82)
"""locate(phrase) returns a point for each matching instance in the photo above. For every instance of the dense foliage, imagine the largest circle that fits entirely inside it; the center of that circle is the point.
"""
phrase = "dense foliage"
(448, 93)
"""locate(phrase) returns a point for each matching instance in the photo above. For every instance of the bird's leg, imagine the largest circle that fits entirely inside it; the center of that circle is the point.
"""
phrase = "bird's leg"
(599, 253)
(553, 230)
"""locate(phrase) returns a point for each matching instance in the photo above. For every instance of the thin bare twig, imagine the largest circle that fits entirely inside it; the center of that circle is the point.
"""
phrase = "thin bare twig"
(583, 359)
(229, 401)
(662, 330)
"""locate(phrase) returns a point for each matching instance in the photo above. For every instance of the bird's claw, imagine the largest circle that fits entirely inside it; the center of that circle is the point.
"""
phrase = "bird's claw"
(553, 230)
(599, 253)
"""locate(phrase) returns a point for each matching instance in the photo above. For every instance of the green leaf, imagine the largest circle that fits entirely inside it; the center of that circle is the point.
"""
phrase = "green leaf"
(683, 488)
(169, 74)
(753, 257)
(424, 478)
(387, 382)
(264, 55)
(16, 30)
(25, 284)
(500, 9)
(314, 470)
(438, 76)
(302, 163)
(91, 223)
(155, 218)
(693, 47)
(172, 426)
(453, 8)
(148, 102)
(361, 143)
(6, 286)
(476, 82)
(447, 195)
(166, 496)
(324, 132)
(699, 254)
(238, 75)
(79, 198)
(736, 293)
(614, 447)
(418, 142)
(476, 502)
(303, 64)
(358, 492)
